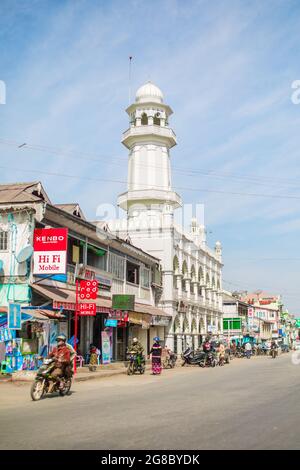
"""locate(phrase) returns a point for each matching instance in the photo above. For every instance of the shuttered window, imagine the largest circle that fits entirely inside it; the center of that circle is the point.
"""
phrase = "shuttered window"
(3, 240)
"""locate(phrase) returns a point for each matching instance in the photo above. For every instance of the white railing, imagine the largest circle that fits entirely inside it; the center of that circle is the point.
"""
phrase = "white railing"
(145, 294)
(117, 287)
(142, 130)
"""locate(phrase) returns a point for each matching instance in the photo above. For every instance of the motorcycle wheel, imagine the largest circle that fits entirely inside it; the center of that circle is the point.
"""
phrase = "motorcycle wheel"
(67, 388)
(130, 370)
(37, 390)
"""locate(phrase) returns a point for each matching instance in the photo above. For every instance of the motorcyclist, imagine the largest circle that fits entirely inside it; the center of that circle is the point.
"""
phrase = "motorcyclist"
(62, 357)
(207, 348)
(137, 348)
(274, 346)
(69, 368)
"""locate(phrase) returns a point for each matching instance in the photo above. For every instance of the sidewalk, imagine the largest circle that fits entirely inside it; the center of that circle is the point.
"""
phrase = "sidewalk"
(82, 374)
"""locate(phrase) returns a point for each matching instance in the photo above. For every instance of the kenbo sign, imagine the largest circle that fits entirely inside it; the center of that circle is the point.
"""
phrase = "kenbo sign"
(50, 250)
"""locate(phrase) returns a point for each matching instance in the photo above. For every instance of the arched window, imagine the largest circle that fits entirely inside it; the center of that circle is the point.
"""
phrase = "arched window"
(194, 326)
(144, 119)
(186, 326)
(156, 120)
(184, 269)
(175, 265)
(200, 275)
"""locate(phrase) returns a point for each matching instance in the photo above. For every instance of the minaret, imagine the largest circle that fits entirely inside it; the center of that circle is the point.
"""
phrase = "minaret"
(149, 139)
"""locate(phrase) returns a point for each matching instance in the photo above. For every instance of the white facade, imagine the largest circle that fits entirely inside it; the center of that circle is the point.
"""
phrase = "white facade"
(192, 273)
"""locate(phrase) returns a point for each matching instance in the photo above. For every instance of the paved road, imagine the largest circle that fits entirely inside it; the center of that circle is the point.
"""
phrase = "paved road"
(249, 404)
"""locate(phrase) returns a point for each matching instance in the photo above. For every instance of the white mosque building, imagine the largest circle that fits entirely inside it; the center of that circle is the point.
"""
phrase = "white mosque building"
(192, 272)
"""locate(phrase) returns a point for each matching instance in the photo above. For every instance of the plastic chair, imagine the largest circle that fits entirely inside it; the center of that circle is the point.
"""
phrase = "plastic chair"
(80, 359)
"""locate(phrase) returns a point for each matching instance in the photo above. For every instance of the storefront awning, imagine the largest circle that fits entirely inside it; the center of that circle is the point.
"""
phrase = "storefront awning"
(154, 311)
(43, 314)
(66, 298)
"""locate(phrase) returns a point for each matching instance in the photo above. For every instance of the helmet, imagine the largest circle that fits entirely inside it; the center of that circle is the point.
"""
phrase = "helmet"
(61, 337)
(135, 340)
(156, 339)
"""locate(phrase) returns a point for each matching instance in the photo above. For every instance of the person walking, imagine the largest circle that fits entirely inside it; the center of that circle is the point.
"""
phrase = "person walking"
(248, 349)
(156, 352)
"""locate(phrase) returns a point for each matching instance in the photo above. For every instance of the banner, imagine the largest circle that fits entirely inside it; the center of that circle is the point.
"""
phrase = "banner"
(105, 337)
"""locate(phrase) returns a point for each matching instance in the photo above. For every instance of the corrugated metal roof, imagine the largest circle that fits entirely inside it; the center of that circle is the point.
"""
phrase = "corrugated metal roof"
(22, 192)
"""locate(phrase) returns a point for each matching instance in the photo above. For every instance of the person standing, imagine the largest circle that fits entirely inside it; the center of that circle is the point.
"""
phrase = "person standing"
(156, 352)
(248, 349)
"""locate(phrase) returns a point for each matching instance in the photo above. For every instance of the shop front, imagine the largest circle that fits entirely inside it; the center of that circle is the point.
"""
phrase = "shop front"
(21, 349)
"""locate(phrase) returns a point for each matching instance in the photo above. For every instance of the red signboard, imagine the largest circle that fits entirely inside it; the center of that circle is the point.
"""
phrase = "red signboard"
(50, 239)
(88, 309)
(50, 250)
(88, 290)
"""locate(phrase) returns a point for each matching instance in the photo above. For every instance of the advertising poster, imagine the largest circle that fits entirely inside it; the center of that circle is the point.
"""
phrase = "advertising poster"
(50, 251)
(105, 336)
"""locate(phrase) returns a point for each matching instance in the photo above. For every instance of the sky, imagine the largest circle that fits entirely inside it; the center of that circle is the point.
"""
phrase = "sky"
(225, 67)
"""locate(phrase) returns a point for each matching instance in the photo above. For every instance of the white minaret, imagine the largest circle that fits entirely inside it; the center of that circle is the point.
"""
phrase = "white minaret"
(149, 140)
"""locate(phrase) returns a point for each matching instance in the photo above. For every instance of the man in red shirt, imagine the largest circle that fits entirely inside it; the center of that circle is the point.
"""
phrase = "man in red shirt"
(62, 359)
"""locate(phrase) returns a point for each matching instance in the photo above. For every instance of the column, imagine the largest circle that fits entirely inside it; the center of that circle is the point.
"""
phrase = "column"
(178, 281)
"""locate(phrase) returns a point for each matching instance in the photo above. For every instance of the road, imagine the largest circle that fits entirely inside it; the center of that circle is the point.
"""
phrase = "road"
(248, 404)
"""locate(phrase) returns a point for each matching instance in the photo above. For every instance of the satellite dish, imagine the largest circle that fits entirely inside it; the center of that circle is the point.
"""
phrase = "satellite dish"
(24, 254)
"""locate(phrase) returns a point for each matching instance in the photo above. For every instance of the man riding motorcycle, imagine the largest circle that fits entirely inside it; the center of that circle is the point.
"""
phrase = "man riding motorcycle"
(137, 348)
(62, 357)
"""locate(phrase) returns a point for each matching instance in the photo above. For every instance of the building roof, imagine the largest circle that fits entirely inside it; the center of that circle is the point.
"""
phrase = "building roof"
(72, 208)
(149, 93)
(23, 192)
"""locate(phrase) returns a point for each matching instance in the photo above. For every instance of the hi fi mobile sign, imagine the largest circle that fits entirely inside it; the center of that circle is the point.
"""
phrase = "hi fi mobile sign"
(50, 250)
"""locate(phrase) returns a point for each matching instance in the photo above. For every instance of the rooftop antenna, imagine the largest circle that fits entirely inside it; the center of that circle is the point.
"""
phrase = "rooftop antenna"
(129, 93)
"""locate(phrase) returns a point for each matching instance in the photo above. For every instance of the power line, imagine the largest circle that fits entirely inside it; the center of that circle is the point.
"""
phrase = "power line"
(144, 185)
(186, 171)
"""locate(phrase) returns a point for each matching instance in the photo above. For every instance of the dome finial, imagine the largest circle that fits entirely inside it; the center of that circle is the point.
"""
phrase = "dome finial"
(149, 93)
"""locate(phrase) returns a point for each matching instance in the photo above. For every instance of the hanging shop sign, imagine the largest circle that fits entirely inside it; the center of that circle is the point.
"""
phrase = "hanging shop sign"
(119, 315)
(142, 319)
(50, 251)
(88, 290)
(111, 323)
(123, 302)
(160, 321)
(57, 305)
(84, 272)
(87, 309)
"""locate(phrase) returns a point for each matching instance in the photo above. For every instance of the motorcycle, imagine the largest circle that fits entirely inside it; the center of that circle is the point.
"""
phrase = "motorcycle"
(170, 361)
(44, 383)
(191, 357)
(135, 365)
(274, 353)
(209, 360)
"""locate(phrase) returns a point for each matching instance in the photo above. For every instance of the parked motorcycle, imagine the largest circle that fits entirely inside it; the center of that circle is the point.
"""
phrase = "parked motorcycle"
(209, 360)
(191, 357)
(43, 382)
(170, 361)
(135, 364)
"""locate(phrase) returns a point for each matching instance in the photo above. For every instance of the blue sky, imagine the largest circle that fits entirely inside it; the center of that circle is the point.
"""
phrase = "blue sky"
(225, 67)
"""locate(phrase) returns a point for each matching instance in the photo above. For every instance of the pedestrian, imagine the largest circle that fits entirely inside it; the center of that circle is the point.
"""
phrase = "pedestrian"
(156, 352)
(248, 349)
